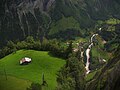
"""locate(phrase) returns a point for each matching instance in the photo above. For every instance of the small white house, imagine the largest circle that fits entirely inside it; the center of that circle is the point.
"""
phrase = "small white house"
(25, 60)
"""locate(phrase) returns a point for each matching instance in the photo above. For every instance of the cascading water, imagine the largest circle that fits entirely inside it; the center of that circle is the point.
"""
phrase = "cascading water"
(88, 53)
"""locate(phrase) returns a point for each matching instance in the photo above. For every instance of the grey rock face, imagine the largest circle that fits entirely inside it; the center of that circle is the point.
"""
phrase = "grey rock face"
(20, 18)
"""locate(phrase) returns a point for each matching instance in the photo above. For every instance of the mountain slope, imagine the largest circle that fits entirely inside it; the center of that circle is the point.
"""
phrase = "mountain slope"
(108, 78)
(21, 18)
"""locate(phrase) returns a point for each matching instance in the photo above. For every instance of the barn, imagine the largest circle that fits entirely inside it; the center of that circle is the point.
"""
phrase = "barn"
(25, 61)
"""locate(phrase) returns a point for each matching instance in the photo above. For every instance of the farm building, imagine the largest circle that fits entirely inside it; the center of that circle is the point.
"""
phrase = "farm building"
(25, 60)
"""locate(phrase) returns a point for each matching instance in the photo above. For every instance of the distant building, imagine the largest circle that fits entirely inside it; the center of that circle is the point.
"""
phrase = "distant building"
(25, 60)
(75, 49)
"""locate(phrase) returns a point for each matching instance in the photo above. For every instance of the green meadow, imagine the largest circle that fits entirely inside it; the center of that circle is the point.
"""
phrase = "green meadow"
(23, 75)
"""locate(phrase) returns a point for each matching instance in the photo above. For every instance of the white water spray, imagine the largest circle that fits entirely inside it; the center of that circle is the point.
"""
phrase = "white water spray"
(88, 54)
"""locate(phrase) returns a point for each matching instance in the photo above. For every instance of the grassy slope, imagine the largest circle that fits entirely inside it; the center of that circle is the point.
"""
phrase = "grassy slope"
(90, 75)
(63, 24)
(102, 54)
(12, 83)
(97, 51)
(112, 21)
(41, 62)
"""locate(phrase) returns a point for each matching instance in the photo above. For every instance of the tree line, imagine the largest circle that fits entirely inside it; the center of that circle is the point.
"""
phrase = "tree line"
(54, 47)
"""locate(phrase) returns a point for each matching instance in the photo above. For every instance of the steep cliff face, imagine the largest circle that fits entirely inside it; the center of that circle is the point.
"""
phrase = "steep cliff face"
(107, 78)
(20, 18)
(23, 17)
(103, 9)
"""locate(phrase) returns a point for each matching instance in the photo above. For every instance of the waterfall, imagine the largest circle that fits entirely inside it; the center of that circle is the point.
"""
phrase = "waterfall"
(88, 54)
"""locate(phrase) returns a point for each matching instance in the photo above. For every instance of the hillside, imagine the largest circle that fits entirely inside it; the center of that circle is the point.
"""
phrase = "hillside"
(13, 82)
(73, 44)
(108, 78)
(41, 63)
(38, 18)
